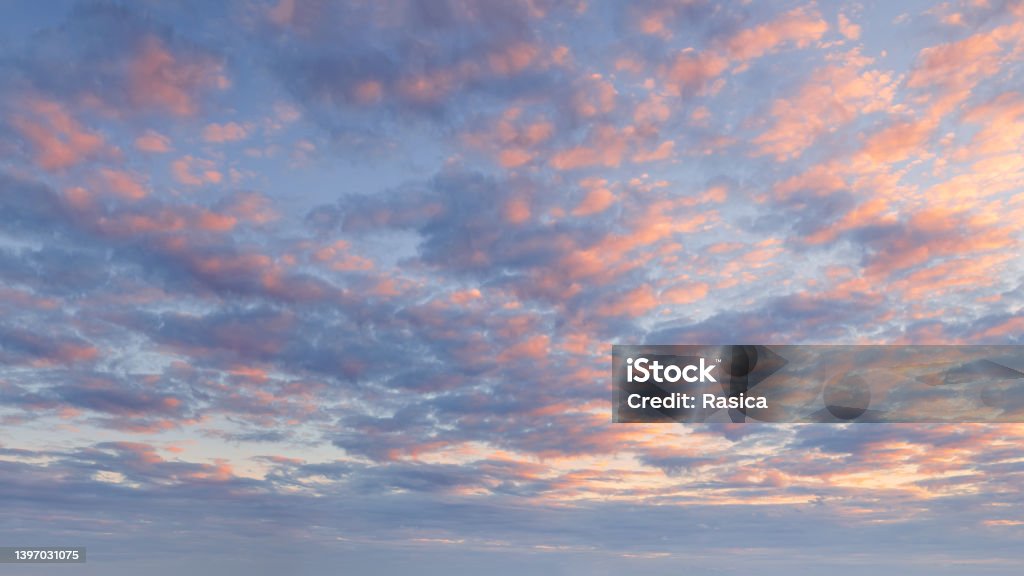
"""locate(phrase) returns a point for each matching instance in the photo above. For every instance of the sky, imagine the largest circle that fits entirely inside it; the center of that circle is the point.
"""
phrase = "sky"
(317, 288)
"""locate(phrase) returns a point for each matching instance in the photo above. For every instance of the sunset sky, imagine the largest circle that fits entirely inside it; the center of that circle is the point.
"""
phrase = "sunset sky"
(317, 288)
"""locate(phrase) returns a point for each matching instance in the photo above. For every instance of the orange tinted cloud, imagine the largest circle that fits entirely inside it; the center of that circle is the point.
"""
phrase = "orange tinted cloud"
(820, 179)
(957, 65)
(872, 211)
(935, 233)
(1002, 126)
(799, 27)
(598, 199)
(636, 302)
(662, 152)
(536, 347)
(847, 28)
(832, 97)
(972, 273)
(686, 293)
(900, 141)
(606, 146)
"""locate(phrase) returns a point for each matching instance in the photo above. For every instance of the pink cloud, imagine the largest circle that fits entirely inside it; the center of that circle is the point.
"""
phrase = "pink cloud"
(872, 211)
(595, 96)
(159, 79)
(164, 220)
(654, 22)
(214, 222)
(57, 139)
(535, 347)
(1002, 126)
(900, 140)
(685, 293)
(227, 132)
(368, 92)
(724, 247)
(653, 227)
(832, 97)
(514, 59)
(605, 146)
(514, 138)
(634, 303)
(939, 232)
(1010, 327)
(517, 210)
(123, 184)
(662, 152)
(65, 353)
(251, 207)
(957, 65)
(956, 68)
(597, 200)
(957, 275)
(192, 171)
(652, 111)
(514, 157)
(820, 178)
(629, 64)
(691, 72)
(799, 27)
(340, 257)
(153, 141)
(847, 28)
(429, 87)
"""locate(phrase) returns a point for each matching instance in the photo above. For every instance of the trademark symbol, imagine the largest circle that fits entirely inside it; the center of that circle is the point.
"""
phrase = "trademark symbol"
(718, 360)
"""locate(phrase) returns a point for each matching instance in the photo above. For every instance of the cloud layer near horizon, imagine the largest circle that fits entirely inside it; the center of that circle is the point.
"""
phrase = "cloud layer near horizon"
(338, 282)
